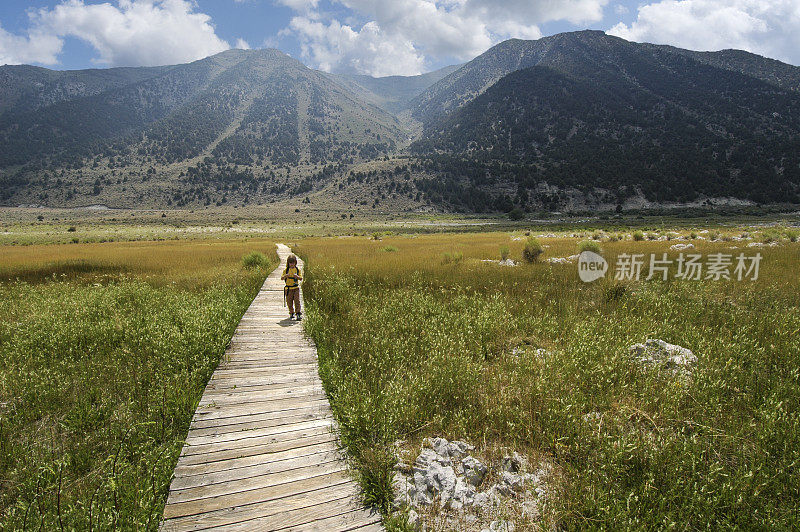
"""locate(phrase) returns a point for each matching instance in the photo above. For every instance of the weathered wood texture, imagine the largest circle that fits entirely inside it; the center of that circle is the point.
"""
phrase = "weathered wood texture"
(262, 452)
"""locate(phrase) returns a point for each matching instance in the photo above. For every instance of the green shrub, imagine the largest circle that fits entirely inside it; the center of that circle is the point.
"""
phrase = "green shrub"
(389, 249)
(504, 252)
(770, 235)
(638, 236)
(452, 258)
(589, 245)
(532, 250)
(713, 235)
(254, 260)
(516, 214)
(792, 234)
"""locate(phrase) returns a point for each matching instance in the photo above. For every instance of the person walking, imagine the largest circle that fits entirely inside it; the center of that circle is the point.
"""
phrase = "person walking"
(291, 292)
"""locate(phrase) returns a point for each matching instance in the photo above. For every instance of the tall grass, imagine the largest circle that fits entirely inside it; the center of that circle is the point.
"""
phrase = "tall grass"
(104, 361)
(410, 347)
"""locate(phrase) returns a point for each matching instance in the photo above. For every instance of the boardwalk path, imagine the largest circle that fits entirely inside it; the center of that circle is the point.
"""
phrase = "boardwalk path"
(261, 453)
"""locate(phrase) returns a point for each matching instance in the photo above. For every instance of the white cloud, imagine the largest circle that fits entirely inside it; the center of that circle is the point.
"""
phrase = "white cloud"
(335, 45)
(241, 44)
(130, 33)
(305, 6)
(400, 36)
(34, 48)
(770, 28)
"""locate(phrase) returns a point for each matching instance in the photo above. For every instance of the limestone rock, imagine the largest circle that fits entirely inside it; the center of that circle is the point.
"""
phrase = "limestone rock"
(662, 355)
(413, 520)
(514, 463)
(474, 470)
(405, 492)
(463, 494)
(500, 526)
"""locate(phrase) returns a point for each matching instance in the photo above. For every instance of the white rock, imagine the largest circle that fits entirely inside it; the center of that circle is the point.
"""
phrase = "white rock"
(541, 353)
(413, 520)
(500, 526)
(658, 353)
(511, 483)
(432, 478)
(474, 470)
(405, 491)
(514, 463)
(591, 417)
(463, 494)
(530, 509)
(487, 499)
(563, 260)
(441, 447)
(681, 247)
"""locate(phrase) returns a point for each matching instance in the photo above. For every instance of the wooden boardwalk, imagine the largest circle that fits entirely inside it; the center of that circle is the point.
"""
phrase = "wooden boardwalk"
(262, 452)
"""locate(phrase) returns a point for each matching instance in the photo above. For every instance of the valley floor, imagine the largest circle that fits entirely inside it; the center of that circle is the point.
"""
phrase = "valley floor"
(422, 334)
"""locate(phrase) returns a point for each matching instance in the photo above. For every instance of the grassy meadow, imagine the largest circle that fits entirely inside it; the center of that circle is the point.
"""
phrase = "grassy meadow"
(107, 344)
(106, 349)
(419, 336)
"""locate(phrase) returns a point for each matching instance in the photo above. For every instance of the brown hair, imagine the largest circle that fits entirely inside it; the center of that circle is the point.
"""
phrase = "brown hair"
(291, 259)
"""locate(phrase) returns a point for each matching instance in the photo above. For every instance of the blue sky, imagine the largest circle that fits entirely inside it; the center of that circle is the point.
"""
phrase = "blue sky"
(376, 37)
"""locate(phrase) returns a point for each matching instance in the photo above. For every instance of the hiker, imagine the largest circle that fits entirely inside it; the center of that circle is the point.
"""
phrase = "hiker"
(291, 292)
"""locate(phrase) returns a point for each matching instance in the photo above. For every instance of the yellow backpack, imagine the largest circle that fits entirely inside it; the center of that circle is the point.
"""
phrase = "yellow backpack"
(291, 282)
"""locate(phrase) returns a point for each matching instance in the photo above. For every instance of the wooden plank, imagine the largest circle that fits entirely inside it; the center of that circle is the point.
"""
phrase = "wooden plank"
(260, 442)
(251, 424)
(262, 450)
(316, 411)
(290, 428)
(296, 491)
(300, 517)
(304, 492)
(246, 485)
(217, 476)
(252, 396)
(187, 470)
(261, 380)
(258, 450)
(277, 383)
(213, 411)
(355, 520)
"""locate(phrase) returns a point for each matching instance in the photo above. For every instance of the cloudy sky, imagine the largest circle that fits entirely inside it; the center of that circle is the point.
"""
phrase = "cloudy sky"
(370, 36)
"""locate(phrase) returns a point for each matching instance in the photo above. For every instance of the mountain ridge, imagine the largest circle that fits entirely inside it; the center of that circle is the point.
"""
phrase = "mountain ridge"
(257, 126)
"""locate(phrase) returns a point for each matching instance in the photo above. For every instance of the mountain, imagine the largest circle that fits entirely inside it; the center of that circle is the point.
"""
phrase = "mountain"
(26, 88)
(578, 120)
(614, 119)
(234, 119)
(570, 53)
(392, 93)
